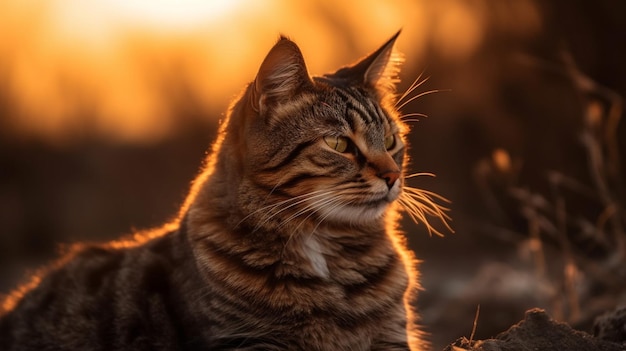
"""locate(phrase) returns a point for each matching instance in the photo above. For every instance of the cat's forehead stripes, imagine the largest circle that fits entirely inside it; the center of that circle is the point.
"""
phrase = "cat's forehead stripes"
(292, 108)
(354, 104)
(361, 111)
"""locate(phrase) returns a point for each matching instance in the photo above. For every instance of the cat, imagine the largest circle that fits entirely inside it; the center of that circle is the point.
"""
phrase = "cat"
(287, 241)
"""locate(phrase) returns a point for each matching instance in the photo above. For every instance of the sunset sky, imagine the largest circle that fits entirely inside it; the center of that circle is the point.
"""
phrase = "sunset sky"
(120, 69)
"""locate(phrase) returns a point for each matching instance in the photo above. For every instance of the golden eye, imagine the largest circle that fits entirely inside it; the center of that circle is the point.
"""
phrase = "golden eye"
(390, 142)
(337, 143)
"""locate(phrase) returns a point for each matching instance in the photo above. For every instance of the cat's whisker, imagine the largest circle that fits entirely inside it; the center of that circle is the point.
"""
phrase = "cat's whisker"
(420, 95)
(329, 212)
(420, 204)
(332, 203)
(312, 232)
(421, 174)
(406, 118)
(304, 198)
(313, 208)
(278, 183)
(413, 114)
(308, 208)
(416, 84)
(425, 193)
(316, 207)
(411, 87)
(269, 208)
(410, 120)
(418, 216)
(432, 207)
(440, 214)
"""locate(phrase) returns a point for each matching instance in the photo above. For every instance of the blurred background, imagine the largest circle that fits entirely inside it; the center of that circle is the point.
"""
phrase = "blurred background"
(108, 107)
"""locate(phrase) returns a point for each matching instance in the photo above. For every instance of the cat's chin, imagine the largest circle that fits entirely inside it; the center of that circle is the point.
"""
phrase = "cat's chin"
(354, 214)
(371, 211)
(367, 211)
(394, 192)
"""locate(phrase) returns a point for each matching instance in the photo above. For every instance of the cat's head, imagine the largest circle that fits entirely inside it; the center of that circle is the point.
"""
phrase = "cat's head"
(327, 148)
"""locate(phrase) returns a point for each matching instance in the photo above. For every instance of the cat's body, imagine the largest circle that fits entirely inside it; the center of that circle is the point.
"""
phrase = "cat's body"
(288, 241)
(110, 298)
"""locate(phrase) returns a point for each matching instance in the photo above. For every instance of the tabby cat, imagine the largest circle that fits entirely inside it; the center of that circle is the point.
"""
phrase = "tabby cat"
(287, 241)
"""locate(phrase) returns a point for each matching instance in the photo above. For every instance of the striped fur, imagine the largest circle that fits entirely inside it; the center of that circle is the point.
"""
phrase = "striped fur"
(285, 242)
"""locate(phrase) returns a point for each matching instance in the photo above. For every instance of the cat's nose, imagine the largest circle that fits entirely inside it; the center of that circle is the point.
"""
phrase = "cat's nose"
(389, 176)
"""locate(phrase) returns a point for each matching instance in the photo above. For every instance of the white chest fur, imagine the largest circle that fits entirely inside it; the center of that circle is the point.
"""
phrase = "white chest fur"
(312, 251)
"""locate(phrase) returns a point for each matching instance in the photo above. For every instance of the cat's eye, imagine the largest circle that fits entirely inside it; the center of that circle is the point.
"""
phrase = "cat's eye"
(338, 143)
(390, 141)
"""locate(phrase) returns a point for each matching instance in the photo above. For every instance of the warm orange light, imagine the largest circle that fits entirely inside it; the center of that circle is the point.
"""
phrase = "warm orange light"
(172, 14)
(121, 68)
(460, 28)
(502, 160)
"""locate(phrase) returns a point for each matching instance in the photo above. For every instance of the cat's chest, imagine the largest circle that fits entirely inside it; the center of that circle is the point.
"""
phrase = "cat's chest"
(345, 258)
(315, 255)
(323, 288)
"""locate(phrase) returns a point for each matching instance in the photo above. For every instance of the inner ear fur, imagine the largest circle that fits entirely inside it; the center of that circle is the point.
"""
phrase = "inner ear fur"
(281, 75)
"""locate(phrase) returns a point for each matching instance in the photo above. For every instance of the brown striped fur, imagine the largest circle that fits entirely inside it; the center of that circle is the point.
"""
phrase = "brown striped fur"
(285, 242)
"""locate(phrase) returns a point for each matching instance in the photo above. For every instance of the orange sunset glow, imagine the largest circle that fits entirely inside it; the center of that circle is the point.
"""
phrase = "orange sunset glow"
(121, 69)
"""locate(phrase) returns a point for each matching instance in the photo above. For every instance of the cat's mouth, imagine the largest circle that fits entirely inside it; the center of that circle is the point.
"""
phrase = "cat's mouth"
(379, 196)
(387, 195)
(363, 208)
(351, 205)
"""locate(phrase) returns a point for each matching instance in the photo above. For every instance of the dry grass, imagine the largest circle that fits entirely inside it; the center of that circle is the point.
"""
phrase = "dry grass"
(591, 243)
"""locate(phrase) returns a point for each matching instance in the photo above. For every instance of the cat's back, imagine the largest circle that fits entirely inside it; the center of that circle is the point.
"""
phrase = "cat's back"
(107, 298)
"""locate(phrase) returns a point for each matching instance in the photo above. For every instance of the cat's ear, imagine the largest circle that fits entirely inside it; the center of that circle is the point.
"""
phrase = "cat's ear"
(378, 70)
(383, 66)
(281, 75)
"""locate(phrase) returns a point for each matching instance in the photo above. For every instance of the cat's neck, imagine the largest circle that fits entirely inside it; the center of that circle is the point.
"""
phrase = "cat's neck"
(301, 249)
